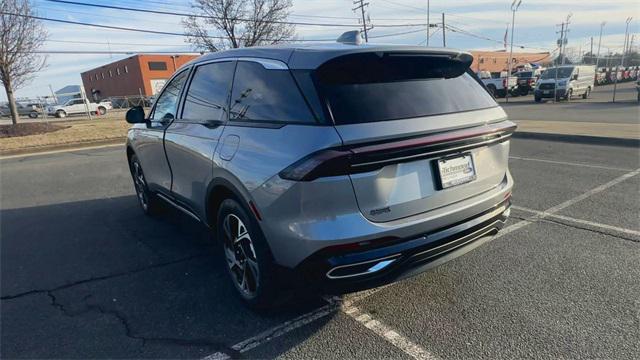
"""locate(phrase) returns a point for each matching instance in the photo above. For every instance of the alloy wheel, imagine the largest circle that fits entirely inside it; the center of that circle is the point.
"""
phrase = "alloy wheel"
(240, 255)
(138, 179)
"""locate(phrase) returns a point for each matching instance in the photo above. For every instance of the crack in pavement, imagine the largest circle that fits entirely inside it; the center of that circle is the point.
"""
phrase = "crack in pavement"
(129, 332)
(533, 219)
(100, 278)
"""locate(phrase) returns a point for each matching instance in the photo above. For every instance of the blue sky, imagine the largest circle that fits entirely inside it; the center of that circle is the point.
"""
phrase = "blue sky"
(535, 28)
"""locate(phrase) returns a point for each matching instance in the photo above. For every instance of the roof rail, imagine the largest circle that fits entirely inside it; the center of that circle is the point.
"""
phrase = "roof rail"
(353, 37)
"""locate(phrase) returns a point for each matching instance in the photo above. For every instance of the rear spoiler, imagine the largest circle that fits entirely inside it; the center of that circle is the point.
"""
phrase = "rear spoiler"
(390, 66)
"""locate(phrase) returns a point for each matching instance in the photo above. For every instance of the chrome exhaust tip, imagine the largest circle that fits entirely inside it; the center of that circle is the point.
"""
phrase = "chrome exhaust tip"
(362, 268)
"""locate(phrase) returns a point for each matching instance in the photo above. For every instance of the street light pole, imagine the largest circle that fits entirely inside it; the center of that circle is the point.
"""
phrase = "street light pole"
(428, 27)
(599, 42)
(626, 34)
(514, 8)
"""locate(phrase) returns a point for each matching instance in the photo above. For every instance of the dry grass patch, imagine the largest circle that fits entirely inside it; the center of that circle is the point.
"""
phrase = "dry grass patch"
(67, 133)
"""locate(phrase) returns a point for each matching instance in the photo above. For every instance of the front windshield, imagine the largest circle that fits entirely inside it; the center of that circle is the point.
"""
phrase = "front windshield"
(563, 72)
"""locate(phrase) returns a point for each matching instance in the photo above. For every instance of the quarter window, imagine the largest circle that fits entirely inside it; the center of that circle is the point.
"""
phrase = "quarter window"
(167, 104)
(209, 91)
(266, 95)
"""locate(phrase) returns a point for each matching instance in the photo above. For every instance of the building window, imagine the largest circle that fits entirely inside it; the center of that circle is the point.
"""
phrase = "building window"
(126, 69)
(102, 75)
(118, 71)
(157, 65)
(481, 60)
(110, 73)
(91, 77)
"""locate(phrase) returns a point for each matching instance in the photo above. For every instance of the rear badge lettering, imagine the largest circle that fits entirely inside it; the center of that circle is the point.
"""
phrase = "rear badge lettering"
(380, 211)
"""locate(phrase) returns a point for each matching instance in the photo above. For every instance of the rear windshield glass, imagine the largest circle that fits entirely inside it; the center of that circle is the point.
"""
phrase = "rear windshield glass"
(524, 74)
(373, 87)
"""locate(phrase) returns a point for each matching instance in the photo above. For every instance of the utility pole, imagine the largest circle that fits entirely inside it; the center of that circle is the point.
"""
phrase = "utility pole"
(514, 8)
(591, 51)
(428, 25)
(444, 33)
(626, 36)
(564, 28)
(602, 24)
(361, 6)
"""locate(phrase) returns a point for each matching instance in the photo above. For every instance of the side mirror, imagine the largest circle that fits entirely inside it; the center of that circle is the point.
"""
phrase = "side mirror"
(574, 77)
(135, 115)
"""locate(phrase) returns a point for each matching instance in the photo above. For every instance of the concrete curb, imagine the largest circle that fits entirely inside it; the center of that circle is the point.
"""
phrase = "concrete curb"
(578, 139)
(69, 146)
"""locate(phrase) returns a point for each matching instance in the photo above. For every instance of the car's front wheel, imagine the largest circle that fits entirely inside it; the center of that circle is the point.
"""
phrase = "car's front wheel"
(101, 110)
(248, 259)
(61, 114)
(33, 114)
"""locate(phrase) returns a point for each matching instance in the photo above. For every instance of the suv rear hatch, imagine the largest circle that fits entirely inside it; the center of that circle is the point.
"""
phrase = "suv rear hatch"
(418, 128)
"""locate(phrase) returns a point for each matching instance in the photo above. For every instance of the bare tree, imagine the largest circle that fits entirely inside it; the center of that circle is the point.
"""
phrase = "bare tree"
(224, 24)
(20, 36)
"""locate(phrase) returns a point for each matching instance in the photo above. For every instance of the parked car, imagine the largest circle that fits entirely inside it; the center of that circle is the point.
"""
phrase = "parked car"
(497, 86)
(32, 110)
(339, 166)
(571, 80)
(77, 106)
(527, 81)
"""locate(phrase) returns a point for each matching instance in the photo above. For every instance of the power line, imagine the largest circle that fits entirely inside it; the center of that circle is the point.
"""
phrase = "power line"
(114, 52)
(139, 30)
(110, 43)
(113, 7)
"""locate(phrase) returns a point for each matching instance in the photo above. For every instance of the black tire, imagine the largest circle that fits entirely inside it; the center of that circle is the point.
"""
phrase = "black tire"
(538, 99)
(61, 114)
(101, 110)
(146, 199)
(33, 114)
(245, 255)
(492, 90)
(586, 93)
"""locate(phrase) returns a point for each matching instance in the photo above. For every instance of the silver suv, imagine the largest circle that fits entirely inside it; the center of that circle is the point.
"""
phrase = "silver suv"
(348, 166)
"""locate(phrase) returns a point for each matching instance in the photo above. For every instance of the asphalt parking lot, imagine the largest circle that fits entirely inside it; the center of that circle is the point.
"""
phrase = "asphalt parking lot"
(86, 275)
(578, 109)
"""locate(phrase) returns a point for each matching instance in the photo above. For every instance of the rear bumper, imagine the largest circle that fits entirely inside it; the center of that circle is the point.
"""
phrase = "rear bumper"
(352, 271)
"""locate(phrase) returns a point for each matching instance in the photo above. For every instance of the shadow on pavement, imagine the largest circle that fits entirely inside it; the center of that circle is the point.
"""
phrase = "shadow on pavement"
(99, 279)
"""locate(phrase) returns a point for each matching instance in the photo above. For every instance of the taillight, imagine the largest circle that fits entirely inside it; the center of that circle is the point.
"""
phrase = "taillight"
(322, 163)
(368, 157)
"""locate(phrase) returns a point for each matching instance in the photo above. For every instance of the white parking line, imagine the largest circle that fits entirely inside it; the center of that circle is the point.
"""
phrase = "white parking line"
(579, 221)
(569, 163)
(333, 305)
(380, 329)
(561, 206)
(394, 338)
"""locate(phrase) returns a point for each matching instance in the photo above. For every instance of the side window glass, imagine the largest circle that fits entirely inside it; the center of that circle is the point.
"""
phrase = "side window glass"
(208, 92)
(167, 103)
(261, 94)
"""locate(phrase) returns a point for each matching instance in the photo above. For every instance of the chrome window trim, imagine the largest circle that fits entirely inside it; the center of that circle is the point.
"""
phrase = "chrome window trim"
(268, 64)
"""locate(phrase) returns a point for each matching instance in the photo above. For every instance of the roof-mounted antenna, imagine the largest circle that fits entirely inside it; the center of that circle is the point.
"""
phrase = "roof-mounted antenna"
(353, 37)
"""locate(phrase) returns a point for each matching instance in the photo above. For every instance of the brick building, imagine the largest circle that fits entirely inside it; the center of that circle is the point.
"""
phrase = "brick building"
(497, 61)
(135, 75)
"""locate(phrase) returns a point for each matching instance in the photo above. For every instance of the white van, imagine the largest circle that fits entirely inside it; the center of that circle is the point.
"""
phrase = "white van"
(572, 80)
